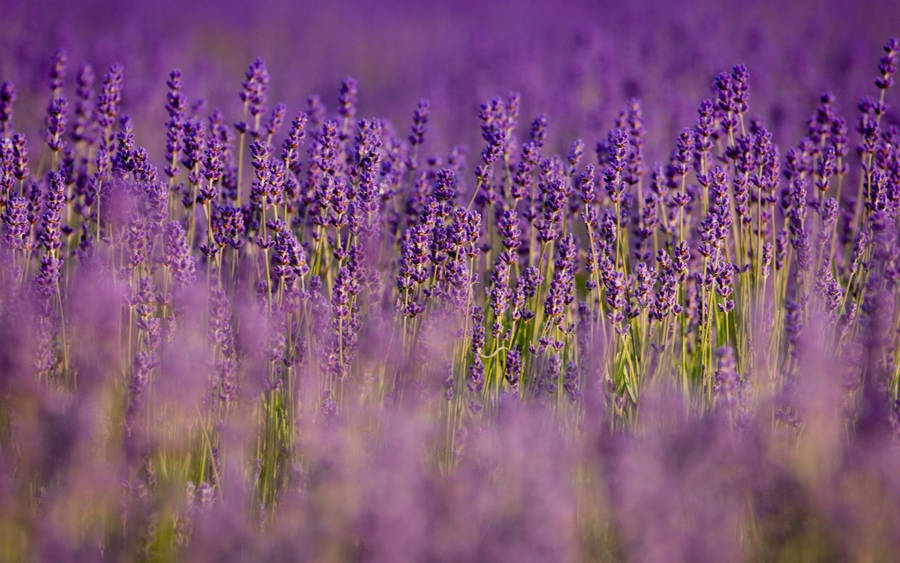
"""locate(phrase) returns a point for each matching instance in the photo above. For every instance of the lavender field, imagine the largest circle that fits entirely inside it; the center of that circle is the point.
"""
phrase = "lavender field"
(387, 281)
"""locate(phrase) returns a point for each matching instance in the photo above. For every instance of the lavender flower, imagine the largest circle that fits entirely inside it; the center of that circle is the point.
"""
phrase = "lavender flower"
(82, 125)
(109, 100)
(513, 368)
(254, 87)
(126, 152)
(228, 226)
(887, 67)
(7, 99)
(315, 109)
(728, 386)
(289, 258)
(178, 254)
(17, 223)
(48, 275)
(500, 293)
(19, 156)
(51, 232)
(58, 71)
(493, 130)
(290, 149)
(508, 225)
(175, 103)
(420, 120)
(562, 287)
(613, 175)
(213, 167)
(347, 101)
(276, 120)
(445, 185)
(56, 123)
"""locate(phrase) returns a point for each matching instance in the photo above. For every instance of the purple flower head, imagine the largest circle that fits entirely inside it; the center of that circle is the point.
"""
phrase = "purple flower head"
(571, 383)
(369, 141)
(830, 290)
(228, 226)
(290, 149)
(261, 159)
(7, 99)
(16, 223)
(347, 99)
(826, 168)
(494, 130)
(459, 281)
(538, 131)
(562, 287)
(719, 206)
(58, 71)
(819, 125)
(553, 188)
(476, 372)
(414, 257)
(289, 258)
(48, 275)
(125, 153)
(136, 242)
(576, 152)
(110, 98)
(56, 122)
(634, 120)
(178, 254)
(51, 233)
(276, 120)
(420, 120)
(500, 293)
(20, 156)
(213, 162)
(103, 161)
(767, 253)
(615, 164)
(513, 368)
(887, 67)
(144, 171)
(175, 107)
(796, 213)
(587, 185)
(732, 392)
(508, 225)
(703, 131)
(740, 83)
(614, 283)
(548, 376)
(523, 179)
(316, 111)
(723, 275)
(445, 185)
(724, 85)
(254, 87)
(531, 280)
(324, 155)
(684, 153)
(664, 302)
(337, 201)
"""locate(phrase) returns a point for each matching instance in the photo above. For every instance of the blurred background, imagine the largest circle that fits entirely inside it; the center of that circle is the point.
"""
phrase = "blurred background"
(577, 61)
